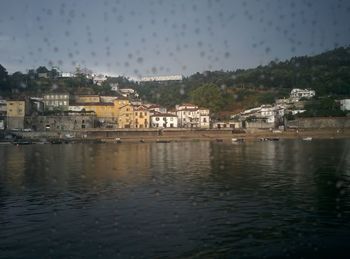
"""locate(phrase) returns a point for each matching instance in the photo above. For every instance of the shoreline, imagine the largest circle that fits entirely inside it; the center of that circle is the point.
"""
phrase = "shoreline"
(174, 136)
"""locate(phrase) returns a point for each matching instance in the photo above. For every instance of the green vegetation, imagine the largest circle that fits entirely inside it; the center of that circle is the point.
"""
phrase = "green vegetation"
(324, 107)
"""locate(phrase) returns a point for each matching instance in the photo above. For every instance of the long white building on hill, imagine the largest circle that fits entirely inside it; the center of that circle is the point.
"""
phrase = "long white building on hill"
(161, 78)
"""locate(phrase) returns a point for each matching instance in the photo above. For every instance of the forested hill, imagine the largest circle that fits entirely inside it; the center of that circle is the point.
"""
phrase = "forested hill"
(327, 73)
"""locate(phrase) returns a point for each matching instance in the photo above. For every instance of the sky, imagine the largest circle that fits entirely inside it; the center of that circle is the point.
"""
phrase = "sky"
(166, 37)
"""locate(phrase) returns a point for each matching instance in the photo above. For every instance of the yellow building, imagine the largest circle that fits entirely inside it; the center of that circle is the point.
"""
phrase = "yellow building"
(126, 116)
(102, 110)
(141, 117)
(15, 114)
(16, 108)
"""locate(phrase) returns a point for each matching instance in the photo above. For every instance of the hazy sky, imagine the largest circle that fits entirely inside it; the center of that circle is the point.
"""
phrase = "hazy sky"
(166, 37)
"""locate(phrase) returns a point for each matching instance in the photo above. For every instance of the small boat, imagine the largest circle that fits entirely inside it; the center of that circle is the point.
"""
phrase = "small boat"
(237, 140)
(56, 141)
(307, 138)
(263, 139)
(22, 142)
(111, 140)
(272, 139)
(162, 141)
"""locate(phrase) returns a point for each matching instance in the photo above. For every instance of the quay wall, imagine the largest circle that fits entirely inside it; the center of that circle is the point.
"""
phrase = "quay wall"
(320, 123)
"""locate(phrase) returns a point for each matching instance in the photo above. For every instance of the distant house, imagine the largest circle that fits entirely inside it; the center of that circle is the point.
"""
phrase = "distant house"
(66, 75)
(126, 92)
(164, 120)
(161, 78)
(114, 86)
(99, 79)
(296, 94)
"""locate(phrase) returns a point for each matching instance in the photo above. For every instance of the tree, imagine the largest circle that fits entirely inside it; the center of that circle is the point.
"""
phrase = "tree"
(208, 96)
(42, 69)
(3, 78)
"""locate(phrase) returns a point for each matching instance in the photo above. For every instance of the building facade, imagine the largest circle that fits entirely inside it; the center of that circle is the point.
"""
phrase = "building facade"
(68, 122)
(141, 117)
(56, 102)
(297, 94)
(15, 112)
(87, 98)
(190, 116)
(164, 120)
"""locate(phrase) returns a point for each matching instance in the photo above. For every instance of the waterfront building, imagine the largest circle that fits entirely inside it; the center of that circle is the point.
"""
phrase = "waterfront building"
(125, 118)
(204, 118)
(63, 122)
(3, 107)
(227, 124)
(190, 116)
(155, 108)
(164, 120)
(15, 112)
(141, 117)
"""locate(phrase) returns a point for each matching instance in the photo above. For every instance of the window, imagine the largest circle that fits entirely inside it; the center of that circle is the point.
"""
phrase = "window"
(157, 118)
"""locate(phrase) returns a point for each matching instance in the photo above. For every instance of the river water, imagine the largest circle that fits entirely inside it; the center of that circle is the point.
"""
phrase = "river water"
(181, 200)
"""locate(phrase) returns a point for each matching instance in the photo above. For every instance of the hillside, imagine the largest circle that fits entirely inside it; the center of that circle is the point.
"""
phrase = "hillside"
(327, 73)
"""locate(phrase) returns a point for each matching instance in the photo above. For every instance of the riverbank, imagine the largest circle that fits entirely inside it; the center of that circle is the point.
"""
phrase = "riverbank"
(119, 136)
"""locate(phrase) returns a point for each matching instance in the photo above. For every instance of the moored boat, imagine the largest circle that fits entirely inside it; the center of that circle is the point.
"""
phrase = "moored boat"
(307, 138)
(237, 140)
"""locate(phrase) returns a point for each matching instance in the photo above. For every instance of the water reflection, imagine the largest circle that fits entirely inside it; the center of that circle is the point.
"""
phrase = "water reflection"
(188, 199)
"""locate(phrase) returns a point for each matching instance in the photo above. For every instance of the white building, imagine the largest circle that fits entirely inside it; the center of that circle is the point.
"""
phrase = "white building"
(66, 74)
(268, 113)
(155, 108)
(345, 105)
(204, 118)
(164, 120)
(296, 94)
(190, 116)
(227, 125)
(114, 87)
(107, 99)
(161, 78)
(99, 79)
(126, 92)
(75, 108)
